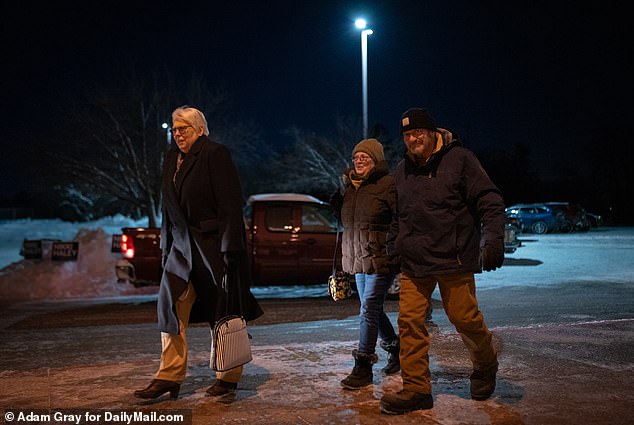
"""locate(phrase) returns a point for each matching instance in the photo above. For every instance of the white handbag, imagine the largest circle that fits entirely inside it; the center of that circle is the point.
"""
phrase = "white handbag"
(230, 345)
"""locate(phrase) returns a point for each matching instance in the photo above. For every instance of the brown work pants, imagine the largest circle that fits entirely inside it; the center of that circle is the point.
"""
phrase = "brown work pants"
(460, 304)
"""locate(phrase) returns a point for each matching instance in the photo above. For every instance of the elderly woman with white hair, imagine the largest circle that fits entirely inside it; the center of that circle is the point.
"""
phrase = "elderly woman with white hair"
(202, 236)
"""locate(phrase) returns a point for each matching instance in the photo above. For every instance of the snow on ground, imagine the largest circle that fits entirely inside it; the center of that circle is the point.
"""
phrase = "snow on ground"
(92, 275)
(604, 254)
(600, 255)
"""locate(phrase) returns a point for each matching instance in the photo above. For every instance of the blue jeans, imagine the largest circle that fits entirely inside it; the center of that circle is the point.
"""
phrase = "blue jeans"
(374, 322)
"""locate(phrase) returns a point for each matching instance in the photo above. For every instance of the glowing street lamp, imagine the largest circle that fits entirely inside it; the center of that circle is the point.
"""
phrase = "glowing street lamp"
(361, 24)
(169, 132)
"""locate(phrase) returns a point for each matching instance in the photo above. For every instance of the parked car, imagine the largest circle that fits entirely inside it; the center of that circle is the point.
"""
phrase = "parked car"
(515, 222)
(511, 242)
(140, 262)
(291, 238)
(536, 218)
(595, 219)
(574, 216)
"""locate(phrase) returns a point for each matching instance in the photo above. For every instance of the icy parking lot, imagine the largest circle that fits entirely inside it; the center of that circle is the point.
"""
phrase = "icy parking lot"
(561, 310)
(604, 254)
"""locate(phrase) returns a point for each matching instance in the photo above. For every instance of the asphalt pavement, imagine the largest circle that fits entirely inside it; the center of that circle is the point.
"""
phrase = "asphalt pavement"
(558, 373)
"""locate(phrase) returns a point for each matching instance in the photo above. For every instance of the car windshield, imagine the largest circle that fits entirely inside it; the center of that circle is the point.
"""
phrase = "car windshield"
(318, 219)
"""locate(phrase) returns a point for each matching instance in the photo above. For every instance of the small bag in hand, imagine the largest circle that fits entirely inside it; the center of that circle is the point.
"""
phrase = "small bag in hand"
(339, 282)
(340, 285)
(230, 345)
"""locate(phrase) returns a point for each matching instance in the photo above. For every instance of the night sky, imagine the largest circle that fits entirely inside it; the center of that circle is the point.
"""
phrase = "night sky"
(541, 73)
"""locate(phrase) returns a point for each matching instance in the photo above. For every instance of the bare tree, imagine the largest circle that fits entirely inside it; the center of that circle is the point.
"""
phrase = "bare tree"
(314, 164)
(250, 152)
(115, 140)
(116, 145)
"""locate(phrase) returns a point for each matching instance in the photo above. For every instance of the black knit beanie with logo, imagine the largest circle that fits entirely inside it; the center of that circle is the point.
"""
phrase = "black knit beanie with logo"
(415, 118)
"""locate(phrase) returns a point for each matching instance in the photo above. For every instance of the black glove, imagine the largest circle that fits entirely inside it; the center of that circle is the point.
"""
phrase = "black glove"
(492, 256)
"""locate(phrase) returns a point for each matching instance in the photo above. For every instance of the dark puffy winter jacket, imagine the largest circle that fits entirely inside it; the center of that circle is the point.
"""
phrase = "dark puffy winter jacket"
(366, 214)
(447, 209)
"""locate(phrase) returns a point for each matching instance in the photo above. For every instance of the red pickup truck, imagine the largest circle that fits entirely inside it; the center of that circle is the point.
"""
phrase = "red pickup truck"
(291, 239)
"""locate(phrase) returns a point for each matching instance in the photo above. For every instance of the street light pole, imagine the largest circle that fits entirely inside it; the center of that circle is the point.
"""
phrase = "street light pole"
(169, 132)
(361, 24)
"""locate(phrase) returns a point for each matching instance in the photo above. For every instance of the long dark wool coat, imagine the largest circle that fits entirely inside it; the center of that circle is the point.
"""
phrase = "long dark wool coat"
(202, 220)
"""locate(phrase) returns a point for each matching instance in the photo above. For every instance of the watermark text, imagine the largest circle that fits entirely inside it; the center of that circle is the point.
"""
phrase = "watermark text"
(99, 416)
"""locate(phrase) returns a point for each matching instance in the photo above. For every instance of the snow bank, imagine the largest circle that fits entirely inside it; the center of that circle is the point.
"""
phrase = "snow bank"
(92, 275)
(13, 232)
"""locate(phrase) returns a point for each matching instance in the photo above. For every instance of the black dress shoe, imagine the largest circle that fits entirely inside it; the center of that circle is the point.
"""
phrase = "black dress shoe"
(157, 388)
(220, 388)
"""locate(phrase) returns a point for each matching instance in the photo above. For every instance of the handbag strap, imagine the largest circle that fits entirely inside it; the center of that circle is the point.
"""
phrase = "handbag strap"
(334, 256)
(238, 283)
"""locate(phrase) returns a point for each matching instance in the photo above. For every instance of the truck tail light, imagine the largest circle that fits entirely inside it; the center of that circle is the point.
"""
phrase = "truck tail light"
(127, 246)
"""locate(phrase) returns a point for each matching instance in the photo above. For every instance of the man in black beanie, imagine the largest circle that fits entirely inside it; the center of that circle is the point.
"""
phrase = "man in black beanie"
(449, 225)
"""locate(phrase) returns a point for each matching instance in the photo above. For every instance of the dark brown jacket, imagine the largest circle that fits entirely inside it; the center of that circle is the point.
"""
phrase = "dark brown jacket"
(447, 209)
(366, 213)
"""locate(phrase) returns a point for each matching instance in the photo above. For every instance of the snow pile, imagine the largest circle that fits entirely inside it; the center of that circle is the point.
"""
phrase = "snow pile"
(92, 275)
(13, 232)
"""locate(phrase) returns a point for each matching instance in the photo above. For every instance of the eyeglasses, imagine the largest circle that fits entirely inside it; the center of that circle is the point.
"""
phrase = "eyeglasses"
(416, 133)
(361, 158)
(180, 130)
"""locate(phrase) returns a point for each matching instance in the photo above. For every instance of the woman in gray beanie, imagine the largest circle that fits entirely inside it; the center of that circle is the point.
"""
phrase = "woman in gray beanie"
(366, 212)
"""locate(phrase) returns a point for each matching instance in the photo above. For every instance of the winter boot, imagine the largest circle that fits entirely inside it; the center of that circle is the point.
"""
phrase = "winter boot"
(361, 375)
(393, 362)
(405, 401)
(430, 310)
(483, 382)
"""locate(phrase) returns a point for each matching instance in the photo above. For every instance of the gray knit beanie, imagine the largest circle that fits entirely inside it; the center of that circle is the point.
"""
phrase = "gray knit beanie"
(372, 147)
